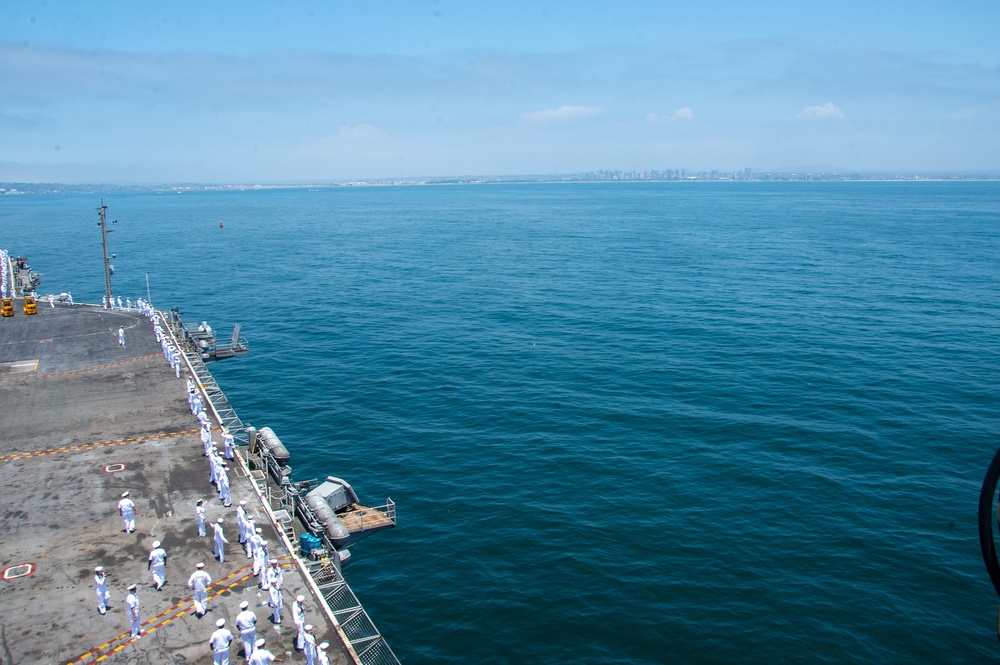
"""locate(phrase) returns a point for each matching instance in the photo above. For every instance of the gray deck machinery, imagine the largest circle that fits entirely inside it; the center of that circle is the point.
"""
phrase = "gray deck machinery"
(329, 512)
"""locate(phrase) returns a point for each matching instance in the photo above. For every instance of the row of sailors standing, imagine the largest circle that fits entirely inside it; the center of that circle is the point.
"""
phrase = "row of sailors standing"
(5, 270)
(170, 352)
(218, 472)
(269, 575)
(141, 305)
(246, 621)
(253, 648)
(255, 547)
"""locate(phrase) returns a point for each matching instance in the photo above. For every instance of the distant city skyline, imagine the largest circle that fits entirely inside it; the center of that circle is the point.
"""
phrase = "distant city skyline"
(135, 94)
(599, 176)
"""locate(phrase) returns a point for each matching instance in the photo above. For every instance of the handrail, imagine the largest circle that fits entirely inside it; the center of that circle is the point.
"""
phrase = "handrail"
(339, 588)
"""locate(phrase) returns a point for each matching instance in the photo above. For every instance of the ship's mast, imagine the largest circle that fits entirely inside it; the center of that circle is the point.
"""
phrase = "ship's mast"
(104, 241)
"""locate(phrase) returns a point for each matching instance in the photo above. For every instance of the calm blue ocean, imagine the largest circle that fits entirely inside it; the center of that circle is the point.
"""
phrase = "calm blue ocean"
(630, 423)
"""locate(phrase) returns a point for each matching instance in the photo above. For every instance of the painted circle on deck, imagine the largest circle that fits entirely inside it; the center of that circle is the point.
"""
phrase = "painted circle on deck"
(114, 468)
(20, 570)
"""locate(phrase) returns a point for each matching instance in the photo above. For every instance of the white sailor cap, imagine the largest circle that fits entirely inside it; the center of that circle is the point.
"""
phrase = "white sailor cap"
(243, 503)
(259, 530)
(99, 569)
(156, 544)
(124, 494)
(245, 604)
(220, 623)
(132, 587)
(264, 543)
(260, 642)
(309, 628)
(300, 599)
(200, 566)
(219, 520)
(324, 646)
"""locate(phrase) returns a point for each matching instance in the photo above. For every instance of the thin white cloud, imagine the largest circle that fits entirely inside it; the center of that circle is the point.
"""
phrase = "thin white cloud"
(988, 109)
(828, 110)
(564, 112)
(360, 133)
(683, 113)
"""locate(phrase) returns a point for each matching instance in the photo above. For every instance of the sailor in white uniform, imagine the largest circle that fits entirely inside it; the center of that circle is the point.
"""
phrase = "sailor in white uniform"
(127, 510)
(246, 622)
(206, 437)
(132, 601)
(199, 512)
(309, 650)
(276, 602)
(220, 541)
(199, 583)
(275, 578)
(260, 563)
(213, 466)
(299, 619)
(251, 530)
(241, 521)
(227, 441)
(255, 540)
(157, 565)
(220, 641)
(101, 587)
(224, 494)
(121, 336)
(260, 656)
(321, 657)
(218, 467)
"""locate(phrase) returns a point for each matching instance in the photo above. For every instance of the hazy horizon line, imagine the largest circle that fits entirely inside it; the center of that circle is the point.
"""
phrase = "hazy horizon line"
(599, 175)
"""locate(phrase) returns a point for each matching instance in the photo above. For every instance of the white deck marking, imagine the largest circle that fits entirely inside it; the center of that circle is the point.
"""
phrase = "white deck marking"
(20, 366)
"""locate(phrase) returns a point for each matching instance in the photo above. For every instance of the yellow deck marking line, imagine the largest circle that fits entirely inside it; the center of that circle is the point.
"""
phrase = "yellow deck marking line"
(81, 371)
(175, 612)
(79, 447)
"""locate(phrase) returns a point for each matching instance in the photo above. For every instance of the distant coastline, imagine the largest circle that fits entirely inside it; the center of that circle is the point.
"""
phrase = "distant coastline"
(606, 176)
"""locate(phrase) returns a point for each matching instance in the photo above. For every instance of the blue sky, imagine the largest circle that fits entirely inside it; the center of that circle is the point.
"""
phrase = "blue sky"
(297, 91)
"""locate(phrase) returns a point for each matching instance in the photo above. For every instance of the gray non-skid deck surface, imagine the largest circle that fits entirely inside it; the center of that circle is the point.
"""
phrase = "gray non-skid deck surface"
(88, 406)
